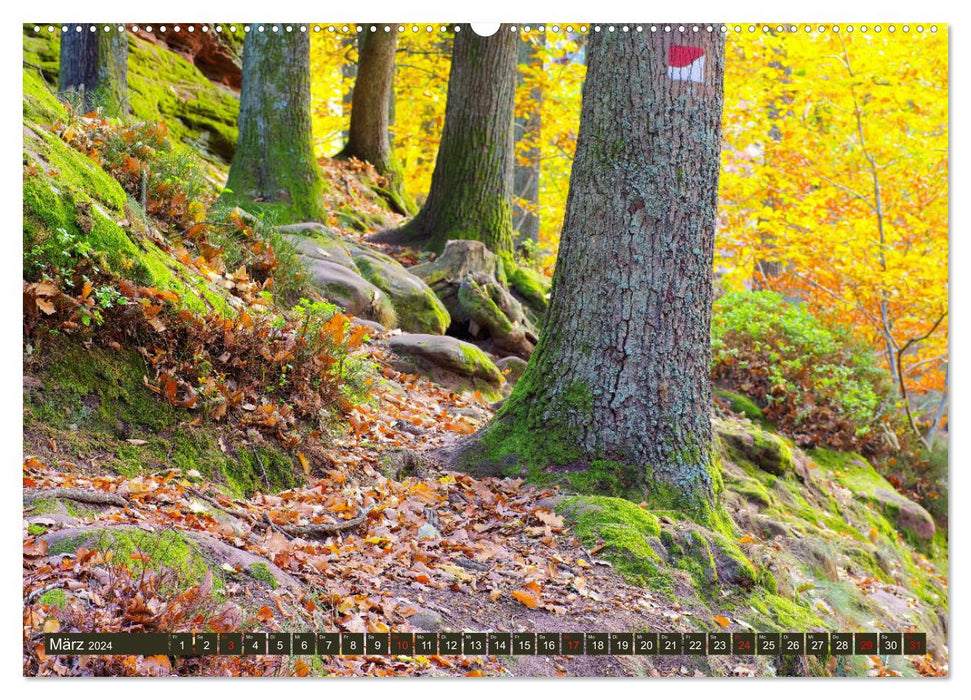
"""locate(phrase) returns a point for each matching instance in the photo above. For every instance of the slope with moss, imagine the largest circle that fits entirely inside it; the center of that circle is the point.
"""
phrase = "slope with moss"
(817, 542)
(162, 86)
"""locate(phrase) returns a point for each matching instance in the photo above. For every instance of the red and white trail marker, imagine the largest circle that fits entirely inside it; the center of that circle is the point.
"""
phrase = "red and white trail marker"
(686, 63)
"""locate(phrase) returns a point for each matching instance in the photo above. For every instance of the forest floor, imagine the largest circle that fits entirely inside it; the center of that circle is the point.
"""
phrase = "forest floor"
(498, 558)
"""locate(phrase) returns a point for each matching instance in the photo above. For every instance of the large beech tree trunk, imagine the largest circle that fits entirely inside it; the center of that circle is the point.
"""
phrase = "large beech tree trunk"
(274, 165)
(94, 68)
(369, 138)
(471, 192)
(617, 394)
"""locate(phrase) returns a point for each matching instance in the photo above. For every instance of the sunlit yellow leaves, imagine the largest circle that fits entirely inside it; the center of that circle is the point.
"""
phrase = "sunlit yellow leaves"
(835, 164)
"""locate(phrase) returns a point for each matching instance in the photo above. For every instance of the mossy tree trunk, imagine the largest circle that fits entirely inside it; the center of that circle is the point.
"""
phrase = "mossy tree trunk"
(274, 166)
(369, 137)
(527, 165)
(94, 68)
(617, 393)
(470, 196)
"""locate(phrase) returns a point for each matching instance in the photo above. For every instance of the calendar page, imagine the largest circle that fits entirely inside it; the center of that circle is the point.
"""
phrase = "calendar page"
(502, 350)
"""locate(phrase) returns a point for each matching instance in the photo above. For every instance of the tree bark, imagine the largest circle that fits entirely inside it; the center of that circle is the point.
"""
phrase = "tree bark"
(471, 192)
(94, 69)
(369, 139)
(526, 174)
(617, 395)
(274, 165)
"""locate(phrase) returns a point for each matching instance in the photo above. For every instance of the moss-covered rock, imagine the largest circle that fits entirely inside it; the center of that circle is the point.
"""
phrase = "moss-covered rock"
(162, 86)
(73, 209)
(740, 403)
(471, 282)
(449, 361)
(627, 533)
(856, 474)
(531, 288)
(136, 548)
(367, 283)
(416, 307)
(765, 450)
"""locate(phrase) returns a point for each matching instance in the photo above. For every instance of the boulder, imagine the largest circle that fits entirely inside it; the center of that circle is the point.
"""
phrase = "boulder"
(764, 450)
(471, 282)
(344, 287)
(405, 302)
(906, 513)
(451, 362)
(315, 241)
(512, 368)
(415, 304)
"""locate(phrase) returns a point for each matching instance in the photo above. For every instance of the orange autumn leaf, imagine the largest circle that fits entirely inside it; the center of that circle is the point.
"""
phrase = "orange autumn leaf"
(527, 598)
(722, 621)
(301, 668)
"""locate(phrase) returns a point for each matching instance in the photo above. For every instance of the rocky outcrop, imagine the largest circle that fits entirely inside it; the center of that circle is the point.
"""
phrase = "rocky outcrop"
(448, 361)
(762, 449)
(367, 283)
(217, 54)
(471, 282)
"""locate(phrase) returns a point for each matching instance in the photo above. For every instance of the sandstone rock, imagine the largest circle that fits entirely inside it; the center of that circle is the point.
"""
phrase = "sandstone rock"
(347, 289)
(415, 304)
(407, 302)
(764, 450)
(451, 362)
(907, 514)
(471, 282)
(515, 366)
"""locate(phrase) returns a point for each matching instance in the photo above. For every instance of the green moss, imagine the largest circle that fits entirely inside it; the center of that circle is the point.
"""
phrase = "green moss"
(750, 445)
(101, 388)
(741, 404)
(532, 287)
(55, 598)
(162, 86)
(606, 478)
(416, 307)
(35, 530)
(624, 528)
(261, 572)
(423, 313)
(509, 445)
(72, 209)
(40, 103)
(94, 398)
(774, 613)
(482, 308)
(139, 549)
(51, 506)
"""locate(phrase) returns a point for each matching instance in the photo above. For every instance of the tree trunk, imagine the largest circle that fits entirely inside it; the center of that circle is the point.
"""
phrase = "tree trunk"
(274, 166)
(471, 192)
(617, 395)
(369, 138)
(94, 68)
(526, 174)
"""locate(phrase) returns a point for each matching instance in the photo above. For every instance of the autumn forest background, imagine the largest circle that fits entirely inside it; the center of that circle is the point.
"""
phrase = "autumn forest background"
(401, 328)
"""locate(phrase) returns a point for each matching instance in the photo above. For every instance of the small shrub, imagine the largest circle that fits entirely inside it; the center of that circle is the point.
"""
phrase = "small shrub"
(813, 380)
(169, 182)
